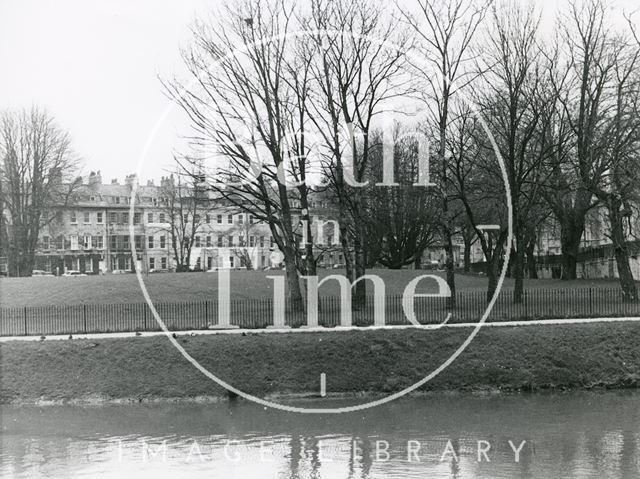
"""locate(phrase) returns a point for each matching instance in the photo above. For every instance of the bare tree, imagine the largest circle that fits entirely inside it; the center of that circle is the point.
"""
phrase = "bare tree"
(37, 172)
(514, 102)
(477, 187)
(185, 203)
(618, 189)
(446, 30)
(240, 108)
(402, 221)
(357, 69)
(580, 84)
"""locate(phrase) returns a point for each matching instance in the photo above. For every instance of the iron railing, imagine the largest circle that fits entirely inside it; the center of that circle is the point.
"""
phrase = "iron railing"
(258, 313)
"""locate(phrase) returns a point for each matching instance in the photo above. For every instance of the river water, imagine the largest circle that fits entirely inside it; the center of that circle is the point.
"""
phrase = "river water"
(560, 435)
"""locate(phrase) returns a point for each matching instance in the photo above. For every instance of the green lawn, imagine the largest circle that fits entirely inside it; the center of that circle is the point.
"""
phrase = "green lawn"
(191, 287)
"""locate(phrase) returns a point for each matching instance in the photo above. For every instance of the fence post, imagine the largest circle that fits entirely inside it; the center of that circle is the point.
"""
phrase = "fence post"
(590, 302)
(144, 316)
(26, 333)
(84, 317)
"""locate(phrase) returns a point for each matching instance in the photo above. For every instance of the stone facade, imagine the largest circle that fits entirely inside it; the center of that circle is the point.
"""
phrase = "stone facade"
(92, 234)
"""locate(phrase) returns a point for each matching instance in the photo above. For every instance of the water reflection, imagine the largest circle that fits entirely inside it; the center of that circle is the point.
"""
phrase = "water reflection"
(560, 435)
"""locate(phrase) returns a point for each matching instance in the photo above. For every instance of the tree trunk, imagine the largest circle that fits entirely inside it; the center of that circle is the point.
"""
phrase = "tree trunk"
(490, 270)
(360, 292)
(293, 284)
(628, 285)
(450, 268)
(531, 258)
(518, 274)
(571, 230)
(467, 255)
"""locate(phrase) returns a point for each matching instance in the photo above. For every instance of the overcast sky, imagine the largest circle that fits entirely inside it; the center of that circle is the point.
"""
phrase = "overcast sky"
(95, 64)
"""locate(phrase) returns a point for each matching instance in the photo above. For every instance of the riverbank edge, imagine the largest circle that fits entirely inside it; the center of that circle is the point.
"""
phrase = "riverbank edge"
(150, 370)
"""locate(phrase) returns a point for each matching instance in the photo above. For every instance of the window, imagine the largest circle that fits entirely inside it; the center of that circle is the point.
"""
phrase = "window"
(161, 217)
(125, 218)
(86, 242)
(261, 241)
(45, 242)
(240, 240)
(250, 219)
(117, 200)
(196, 219)
(113, 218)
(198, 242)
(149, 217)
(126, 243)
(73, 219)
(163, 262)
(231, 261)
(60, 242)
(219, 241)
(152, 263)
(241, 219)
(99, 217)
(74, 241)
(208, 241)
(87, 217)
(137, 218)
(230, 219)
(92, 198)
(113, 242)
(163, 242)
(219, 219)
(99, 240)
(185, 218)
(252, 241)
(150, 241)
(208, 219)
(139, 240)
(230, 241)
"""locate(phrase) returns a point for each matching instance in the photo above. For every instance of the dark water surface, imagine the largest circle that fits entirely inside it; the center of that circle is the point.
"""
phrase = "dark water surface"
(441, 436)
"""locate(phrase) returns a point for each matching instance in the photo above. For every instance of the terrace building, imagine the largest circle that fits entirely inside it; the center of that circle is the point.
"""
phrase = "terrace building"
(92, 233)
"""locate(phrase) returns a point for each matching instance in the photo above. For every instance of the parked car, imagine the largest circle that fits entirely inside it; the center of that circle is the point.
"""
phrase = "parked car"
(339, 265)
(40, 272)
(73, 272)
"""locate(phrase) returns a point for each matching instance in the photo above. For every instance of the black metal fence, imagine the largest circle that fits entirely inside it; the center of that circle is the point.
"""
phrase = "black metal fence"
(258, 313)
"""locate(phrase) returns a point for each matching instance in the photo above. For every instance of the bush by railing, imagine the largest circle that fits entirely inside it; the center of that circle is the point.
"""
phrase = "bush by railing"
(258, 313)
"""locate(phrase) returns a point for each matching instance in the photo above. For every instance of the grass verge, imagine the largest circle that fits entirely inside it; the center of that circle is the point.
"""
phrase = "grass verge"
(370, 362)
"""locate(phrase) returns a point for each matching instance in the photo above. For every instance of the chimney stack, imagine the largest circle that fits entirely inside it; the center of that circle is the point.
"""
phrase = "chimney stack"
(131, 180)
(95, 179)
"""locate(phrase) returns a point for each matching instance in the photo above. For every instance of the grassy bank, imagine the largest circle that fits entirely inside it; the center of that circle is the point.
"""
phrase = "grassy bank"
(523, 358)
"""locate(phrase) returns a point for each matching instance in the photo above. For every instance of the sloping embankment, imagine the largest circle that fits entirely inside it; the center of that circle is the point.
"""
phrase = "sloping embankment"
(370, 362)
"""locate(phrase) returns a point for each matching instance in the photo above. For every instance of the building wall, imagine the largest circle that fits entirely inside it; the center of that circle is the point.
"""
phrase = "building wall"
(92, 235)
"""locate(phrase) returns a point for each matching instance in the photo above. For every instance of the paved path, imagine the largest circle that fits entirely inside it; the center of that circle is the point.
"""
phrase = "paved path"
(541, 322)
